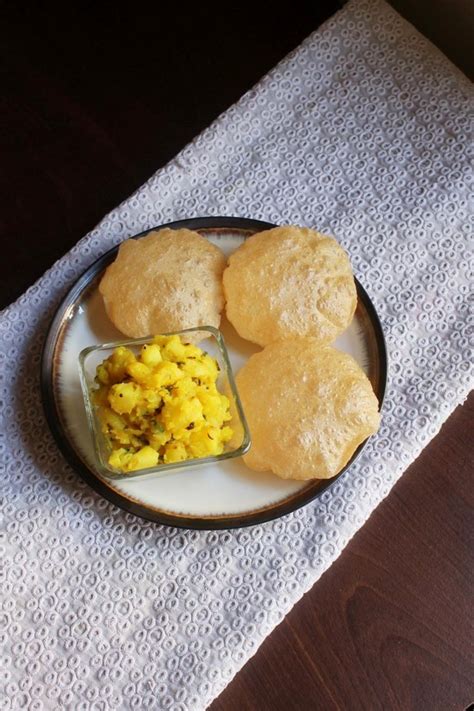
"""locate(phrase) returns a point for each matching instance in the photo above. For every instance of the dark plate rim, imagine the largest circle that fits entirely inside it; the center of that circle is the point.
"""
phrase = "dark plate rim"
(53, 418)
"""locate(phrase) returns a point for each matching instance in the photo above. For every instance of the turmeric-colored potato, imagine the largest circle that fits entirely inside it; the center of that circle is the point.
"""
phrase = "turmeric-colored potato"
(161, 406)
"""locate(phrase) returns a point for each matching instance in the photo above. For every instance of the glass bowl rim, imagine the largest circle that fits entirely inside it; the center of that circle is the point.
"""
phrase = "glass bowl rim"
(102, 466)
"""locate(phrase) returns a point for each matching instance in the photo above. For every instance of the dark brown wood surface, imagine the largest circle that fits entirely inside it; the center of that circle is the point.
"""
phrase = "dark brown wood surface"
(94, 100)
(389, 625)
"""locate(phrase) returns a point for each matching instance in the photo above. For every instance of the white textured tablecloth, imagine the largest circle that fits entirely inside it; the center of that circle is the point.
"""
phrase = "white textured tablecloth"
(362, 132)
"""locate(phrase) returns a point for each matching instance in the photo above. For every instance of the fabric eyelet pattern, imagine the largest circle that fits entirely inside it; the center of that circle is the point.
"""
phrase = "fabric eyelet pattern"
(362, 132)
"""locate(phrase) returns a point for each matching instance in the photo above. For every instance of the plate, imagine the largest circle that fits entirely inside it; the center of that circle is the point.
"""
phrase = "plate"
(224, 495)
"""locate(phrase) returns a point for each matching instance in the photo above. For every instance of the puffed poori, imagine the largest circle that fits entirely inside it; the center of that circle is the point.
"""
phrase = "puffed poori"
(166, 281)
(308, 407)
(289, 281)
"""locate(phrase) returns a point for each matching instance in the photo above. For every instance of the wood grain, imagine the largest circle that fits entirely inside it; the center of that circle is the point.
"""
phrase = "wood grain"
(95, 98)
(93, 101)
(389, 626)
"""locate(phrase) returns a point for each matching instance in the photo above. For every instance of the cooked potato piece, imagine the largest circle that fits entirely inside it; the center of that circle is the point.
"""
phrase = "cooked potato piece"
(162, 406)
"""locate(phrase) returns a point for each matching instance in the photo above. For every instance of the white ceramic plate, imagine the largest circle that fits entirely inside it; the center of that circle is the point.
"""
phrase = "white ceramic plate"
(222, 495)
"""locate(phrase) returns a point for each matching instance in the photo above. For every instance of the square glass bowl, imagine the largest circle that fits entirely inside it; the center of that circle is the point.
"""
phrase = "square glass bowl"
(91, 357)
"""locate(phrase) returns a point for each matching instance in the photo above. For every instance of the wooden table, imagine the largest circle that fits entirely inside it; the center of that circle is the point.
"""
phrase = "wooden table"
(93, 104)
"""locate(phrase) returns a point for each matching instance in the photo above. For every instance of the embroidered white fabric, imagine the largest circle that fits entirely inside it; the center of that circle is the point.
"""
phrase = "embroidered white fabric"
(362, 132)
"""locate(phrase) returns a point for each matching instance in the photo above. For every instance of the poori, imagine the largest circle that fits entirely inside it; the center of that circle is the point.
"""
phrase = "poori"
(167, 281)
(289, 281)
(308, 406)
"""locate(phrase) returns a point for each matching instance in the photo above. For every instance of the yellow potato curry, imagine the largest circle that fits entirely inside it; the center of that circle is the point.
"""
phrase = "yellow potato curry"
(161, 405)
